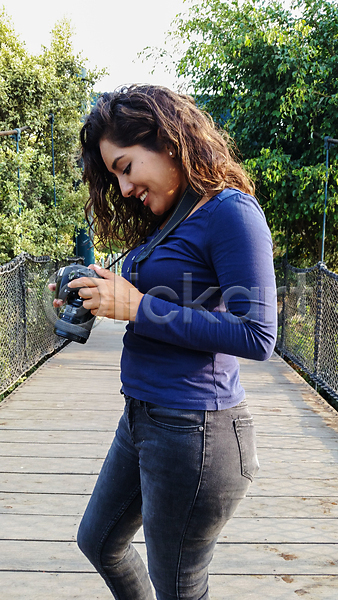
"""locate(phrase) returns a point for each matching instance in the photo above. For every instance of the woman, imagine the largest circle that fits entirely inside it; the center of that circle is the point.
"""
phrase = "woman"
(184, 452)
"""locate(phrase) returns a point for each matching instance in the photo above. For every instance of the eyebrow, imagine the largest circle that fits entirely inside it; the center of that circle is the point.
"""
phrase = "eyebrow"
(116, 161)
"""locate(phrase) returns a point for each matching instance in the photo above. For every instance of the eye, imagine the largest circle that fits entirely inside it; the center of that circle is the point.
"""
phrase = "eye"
(127, 170)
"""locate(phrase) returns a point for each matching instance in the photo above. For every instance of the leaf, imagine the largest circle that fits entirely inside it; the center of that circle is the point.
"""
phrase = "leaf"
(273, 69)
(31, 88)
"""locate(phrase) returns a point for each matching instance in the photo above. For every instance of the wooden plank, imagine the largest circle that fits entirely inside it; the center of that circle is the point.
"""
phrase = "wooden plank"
(42, 402)
(296, 455)
(273, 587)
(53, 377)
(73, 395)
(81, 483)
(288, 507)
(97, 422)
(90, 586)
(298, 470)
(88, 466)
(48, 504)
(281, 400)
(57, 465)
(42, 556)
(276, 531)
(267, 455)
(252, 507)
(269, 486)
(269, 422)
(275, 559)
(52, 450)
(66, 408)
(58, 437)
(106, 420)
(39, 527)
(231, 559)
(296, 441)
(45, 483)
(311, 430)
(63, 414)
(59, 404)
(280, 531)
(264, 440)
(68, 586)
(257, 405)
(63, 527)
(53, 586)
(303, 422)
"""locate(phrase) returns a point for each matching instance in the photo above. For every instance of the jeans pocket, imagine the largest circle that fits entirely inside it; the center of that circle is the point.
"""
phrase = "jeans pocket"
(175, 419)
(246, 437)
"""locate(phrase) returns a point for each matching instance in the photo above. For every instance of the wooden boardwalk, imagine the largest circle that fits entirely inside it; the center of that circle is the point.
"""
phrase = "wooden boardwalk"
(55, 430)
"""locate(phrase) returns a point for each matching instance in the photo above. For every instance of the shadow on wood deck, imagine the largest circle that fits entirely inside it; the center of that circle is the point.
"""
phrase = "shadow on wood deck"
(55, 430)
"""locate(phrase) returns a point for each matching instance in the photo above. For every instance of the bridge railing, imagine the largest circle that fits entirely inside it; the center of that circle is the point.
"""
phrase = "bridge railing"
(26, 315)
(308, 322)
(307, 318)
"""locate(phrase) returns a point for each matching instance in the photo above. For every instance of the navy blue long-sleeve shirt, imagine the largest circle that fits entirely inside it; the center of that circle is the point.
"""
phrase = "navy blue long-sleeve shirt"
(209, 296)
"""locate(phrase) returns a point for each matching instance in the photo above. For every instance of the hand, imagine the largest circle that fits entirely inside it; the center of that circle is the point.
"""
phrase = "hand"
(56, 302)
(113, 296)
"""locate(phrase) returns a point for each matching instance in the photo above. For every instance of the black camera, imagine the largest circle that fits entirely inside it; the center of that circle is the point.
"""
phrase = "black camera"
(73, 321)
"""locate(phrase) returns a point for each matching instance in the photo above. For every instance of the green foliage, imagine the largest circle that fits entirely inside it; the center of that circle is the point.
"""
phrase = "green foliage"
(269, 74)
(31, 89)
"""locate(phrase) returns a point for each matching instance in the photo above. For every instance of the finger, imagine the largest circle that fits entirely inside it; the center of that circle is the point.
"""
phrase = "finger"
(104, 273)
(98, 303)
(52, 287)
(89, 304)
(85, 292)
(57, 303)
(83, 282)
(94, 305)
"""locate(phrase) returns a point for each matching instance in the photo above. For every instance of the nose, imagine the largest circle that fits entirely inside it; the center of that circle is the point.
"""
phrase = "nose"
(126, 188)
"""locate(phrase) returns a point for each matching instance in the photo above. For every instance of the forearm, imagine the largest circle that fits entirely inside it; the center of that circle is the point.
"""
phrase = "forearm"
(207, 331)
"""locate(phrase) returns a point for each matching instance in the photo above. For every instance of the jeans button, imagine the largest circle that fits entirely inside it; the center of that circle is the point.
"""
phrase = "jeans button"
(201, 428)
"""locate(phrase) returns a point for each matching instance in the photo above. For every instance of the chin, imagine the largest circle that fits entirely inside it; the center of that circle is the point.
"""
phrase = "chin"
(158, 211)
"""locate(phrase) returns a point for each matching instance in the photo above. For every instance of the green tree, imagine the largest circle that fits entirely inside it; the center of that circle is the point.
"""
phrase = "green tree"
(269, 74)
(31, 89)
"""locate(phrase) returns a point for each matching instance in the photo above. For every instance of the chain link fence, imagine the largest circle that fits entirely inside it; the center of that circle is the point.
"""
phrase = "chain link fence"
(26, 315)
(308, 322)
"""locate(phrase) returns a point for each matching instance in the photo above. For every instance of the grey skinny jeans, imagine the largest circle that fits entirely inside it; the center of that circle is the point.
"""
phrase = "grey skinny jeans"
(181, 474)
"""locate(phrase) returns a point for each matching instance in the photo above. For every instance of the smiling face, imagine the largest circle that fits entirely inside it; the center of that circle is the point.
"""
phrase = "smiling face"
(152, 177)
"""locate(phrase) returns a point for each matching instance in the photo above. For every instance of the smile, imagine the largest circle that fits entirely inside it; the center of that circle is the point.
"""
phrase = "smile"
(143, 196)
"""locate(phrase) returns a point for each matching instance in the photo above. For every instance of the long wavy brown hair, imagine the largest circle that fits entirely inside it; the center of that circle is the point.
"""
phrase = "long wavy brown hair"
(156, 118)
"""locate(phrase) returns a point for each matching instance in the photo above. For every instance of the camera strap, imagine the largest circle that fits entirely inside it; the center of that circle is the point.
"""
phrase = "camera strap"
(189, 199)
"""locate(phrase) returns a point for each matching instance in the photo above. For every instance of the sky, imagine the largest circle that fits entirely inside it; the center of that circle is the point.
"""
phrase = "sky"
(109, 34)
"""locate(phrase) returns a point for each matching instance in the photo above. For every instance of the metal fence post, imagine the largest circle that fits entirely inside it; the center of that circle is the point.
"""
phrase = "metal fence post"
(24, 307)
(328, 143)
(285, 280)
(319, 319)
